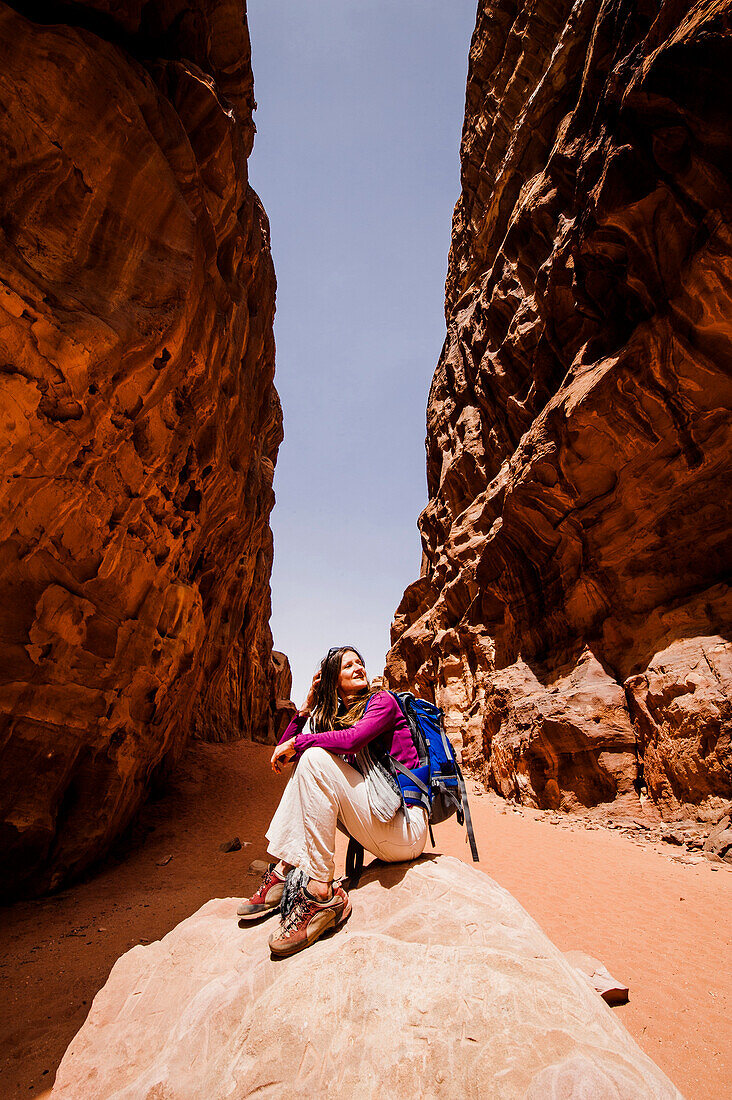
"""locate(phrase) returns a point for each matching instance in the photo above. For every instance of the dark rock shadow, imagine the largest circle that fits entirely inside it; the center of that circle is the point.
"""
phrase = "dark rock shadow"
(390, 874)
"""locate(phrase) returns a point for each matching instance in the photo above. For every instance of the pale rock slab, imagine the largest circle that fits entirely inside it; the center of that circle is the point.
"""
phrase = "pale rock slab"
(441, 985)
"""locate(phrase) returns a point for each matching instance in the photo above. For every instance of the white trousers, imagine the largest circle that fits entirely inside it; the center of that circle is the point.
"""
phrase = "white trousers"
(324, 793)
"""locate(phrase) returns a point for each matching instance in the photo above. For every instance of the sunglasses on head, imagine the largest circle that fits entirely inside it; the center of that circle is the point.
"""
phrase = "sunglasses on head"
(337, 649)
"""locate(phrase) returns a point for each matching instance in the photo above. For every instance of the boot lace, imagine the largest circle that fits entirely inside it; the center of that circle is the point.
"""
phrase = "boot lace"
(297, 914)
(268, 878)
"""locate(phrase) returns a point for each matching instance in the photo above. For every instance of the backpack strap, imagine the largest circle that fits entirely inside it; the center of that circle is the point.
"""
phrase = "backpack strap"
(463, 795)
(421, 793)
(449, 750)
(354, 862)
(466, 810)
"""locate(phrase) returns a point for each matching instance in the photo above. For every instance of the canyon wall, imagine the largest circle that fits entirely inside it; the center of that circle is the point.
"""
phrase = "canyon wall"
(140, 424)
(573, 614)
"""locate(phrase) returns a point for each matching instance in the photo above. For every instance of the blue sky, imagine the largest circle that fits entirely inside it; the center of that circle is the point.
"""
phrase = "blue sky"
(356, 159)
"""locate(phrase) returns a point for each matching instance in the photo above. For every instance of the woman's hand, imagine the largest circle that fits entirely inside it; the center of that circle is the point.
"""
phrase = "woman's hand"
(307, 708)
(284, 754)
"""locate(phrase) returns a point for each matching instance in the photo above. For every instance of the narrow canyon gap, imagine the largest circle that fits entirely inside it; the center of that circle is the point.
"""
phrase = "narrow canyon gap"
(572, 615)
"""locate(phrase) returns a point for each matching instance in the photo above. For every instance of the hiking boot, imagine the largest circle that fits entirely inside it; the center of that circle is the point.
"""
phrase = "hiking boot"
(309, 919)
(267, 897)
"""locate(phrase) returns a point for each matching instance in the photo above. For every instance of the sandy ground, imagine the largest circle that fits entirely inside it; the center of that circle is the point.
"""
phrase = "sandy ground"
(660, 926)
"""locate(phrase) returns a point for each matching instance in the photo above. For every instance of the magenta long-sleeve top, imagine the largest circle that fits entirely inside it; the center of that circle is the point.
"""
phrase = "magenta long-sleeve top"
(383, 719)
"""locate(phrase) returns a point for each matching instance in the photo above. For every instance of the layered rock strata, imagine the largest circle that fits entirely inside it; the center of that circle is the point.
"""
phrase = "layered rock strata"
(573, 611)
(140, 424)
(412, 996)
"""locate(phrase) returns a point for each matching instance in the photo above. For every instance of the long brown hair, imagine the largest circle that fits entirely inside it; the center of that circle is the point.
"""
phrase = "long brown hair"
(325, 715)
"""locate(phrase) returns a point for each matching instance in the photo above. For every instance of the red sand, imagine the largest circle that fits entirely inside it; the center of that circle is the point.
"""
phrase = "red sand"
(660, 926)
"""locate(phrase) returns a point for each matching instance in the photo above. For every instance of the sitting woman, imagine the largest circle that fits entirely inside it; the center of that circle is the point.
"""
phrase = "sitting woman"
(327, 792)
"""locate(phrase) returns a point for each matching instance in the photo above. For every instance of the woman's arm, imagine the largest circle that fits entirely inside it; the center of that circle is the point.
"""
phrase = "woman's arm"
(285, 748)
(381, 717)
(297, 725)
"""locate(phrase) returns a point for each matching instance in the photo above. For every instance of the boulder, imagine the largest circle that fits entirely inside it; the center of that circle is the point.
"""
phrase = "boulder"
(561, 740)
(600, 979)
(682, 707)
(440, 985)
(718, 844)
(284, 708)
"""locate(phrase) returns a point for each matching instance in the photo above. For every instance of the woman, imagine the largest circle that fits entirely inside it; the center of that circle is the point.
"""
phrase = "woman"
(327, 792)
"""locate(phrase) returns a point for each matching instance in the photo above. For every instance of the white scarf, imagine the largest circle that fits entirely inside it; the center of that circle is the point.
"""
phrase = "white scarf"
(384, 793)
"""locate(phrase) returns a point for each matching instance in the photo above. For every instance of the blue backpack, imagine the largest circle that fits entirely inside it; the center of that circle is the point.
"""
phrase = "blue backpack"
(436, 783)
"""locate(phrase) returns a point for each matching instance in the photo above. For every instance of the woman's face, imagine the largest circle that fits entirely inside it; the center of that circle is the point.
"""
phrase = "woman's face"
(352, 679)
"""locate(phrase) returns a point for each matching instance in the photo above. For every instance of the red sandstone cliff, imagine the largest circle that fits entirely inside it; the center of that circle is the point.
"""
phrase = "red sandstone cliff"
(140, 424)
(573, 614)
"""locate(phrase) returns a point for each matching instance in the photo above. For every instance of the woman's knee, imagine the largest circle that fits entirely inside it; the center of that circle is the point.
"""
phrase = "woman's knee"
(315, 760)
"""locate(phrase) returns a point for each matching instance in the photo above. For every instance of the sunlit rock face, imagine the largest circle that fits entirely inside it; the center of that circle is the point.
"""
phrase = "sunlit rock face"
(572, 615)
(140, 424)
